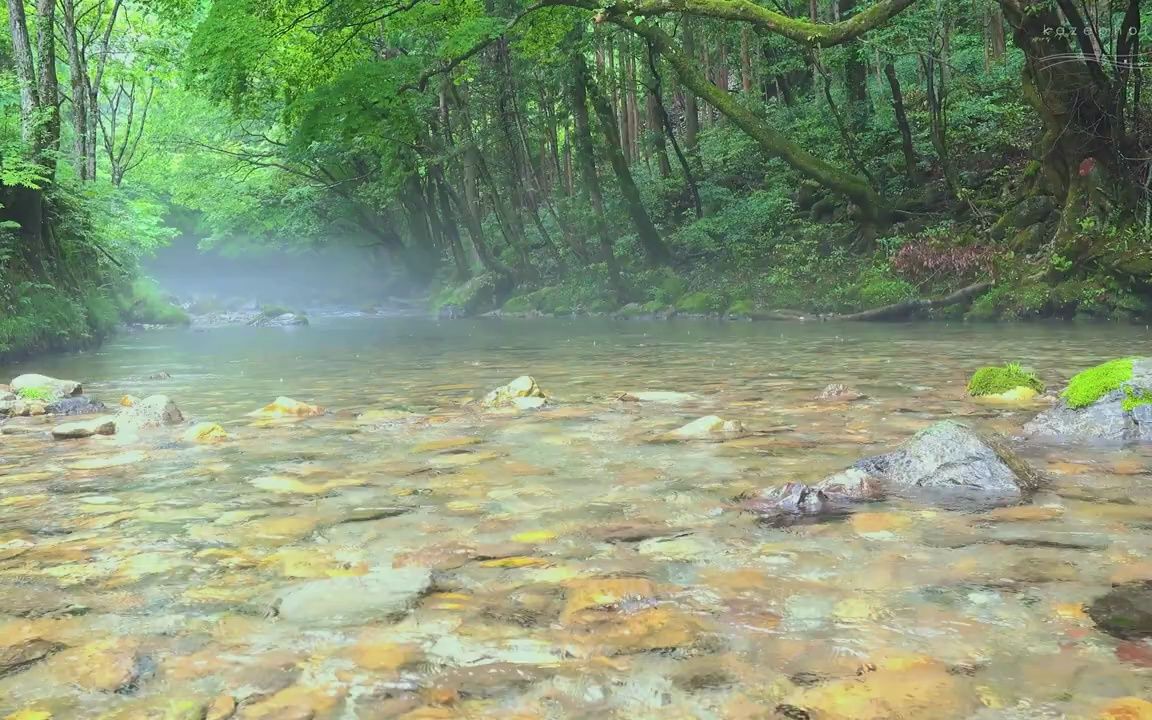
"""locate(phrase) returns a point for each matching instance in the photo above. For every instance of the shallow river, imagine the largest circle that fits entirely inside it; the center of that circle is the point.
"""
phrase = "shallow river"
(429, 560)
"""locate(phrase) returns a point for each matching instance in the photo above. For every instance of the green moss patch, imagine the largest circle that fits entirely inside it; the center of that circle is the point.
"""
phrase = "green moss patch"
(994, 380)
(1092, 384)
(702, 303)
(37, 394)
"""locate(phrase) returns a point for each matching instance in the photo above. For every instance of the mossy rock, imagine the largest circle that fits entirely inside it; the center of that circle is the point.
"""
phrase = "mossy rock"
(518, 304)
(995, 380)
(742, 308)
(1088, 386)
(478, 295)
(700, 303)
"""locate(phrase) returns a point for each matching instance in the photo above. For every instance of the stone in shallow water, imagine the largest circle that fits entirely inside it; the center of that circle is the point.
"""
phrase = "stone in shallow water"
(154, 411)
(709, 427)
(1125, 611)
(21, 655)
(383, 593)
(52, 387)
(954, 458)
(286, 407)
(102, 666)
(662, 396)
(837, 392)
(79, 405)
(84, 428)
(507, 395)
(206, 432)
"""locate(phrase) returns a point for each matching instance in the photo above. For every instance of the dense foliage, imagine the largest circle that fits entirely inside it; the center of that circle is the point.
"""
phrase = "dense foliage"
(717, 156)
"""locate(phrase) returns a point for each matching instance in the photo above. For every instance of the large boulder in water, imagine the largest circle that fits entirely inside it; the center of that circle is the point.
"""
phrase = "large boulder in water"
(33, 386)
(1111, 402)
(378, 596)
(153, 411)
(947, 462)
(951, 457)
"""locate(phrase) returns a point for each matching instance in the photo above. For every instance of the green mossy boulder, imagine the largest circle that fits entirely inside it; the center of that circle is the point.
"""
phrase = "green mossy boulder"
(1111, 402)
(995, 380)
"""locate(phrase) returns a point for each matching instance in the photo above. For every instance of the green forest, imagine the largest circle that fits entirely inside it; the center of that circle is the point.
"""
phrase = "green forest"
(979, 160)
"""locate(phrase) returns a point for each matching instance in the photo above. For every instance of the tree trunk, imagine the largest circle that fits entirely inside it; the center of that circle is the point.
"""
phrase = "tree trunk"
(589, 179)
(746, 82)
(691, 112)
(902, 123)
(25, 70)
(771, 142)
(77, 73)
(49, 91)
(654, 248)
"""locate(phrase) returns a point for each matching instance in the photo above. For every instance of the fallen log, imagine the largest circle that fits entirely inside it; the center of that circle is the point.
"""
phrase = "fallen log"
(896, 311)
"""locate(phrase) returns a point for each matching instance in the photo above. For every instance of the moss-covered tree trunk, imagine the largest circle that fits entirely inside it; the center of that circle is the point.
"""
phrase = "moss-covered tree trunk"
(771, 142)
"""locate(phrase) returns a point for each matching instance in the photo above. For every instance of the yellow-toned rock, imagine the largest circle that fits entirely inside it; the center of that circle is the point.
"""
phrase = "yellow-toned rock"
(534, 536)
(917, 688)
(285, 407)
(29, 714)
(222, 707)
(523, 393)
(294, 703)
(1019, 394)
(100, 666)
(645, 630)
(206, 432)
(585, 598)
(877, 522)
(372, 652)
(1127, 708)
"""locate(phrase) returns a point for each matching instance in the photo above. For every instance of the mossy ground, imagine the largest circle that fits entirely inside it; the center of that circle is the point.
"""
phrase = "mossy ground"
(995, 380)
(147, 305)
(1094, 383)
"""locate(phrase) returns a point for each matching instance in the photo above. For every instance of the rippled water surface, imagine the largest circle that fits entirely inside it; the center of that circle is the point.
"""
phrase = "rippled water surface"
(430, 560)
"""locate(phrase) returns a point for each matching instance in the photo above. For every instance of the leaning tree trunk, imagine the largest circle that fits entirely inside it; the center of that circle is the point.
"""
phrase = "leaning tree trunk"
(654, 247)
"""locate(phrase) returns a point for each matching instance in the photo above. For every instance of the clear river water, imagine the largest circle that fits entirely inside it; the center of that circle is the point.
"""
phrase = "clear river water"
(408, 555)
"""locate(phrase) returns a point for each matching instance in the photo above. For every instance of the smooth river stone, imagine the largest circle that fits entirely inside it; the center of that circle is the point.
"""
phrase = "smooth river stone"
(382, 593)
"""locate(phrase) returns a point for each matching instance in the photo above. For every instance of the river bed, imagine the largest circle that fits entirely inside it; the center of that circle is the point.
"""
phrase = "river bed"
(429, 560)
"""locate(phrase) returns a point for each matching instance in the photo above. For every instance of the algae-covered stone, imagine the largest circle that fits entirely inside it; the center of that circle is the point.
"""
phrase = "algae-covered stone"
(997, 380)
(514, 393)
(1111, 402)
